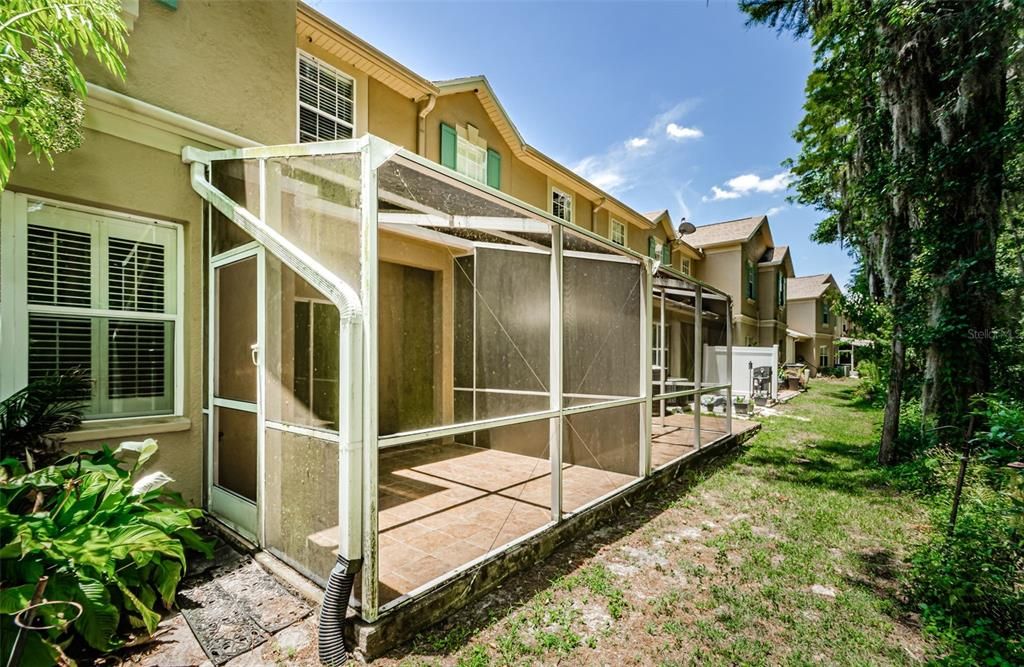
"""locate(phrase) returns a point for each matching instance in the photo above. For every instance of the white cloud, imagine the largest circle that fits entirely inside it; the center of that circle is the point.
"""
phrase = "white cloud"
(680, 133)
(745, 184)
(718, 194)
(670, 116)
(624, 164)
(753, 183)
(607, 180)
(775, 210)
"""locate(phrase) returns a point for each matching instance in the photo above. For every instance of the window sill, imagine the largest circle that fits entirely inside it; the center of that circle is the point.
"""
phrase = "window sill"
(116, 429)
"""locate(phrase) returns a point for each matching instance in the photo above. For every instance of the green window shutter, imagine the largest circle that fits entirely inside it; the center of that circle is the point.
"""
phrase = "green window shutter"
(448, 148)
(494, 168)
(652, 247)
(666, 254)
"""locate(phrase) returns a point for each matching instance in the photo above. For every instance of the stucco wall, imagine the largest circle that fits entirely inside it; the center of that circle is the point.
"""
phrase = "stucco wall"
(120, 175)
(392, 116)
(229, 63)
(723, 270)
(801, 315)
(517, 179)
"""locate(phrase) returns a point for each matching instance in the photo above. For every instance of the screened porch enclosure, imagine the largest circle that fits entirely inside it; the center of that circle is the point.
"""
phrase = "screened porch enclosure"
(443, 371)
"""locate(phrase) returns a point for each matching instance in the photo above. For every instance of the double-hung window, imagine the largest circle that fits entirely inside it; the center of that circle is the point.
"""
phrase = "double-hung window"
(618, 233)
(561, 204)
(471, 160)
(780, 288)
(326, 101)
(751, 280)
(825, 314)
(823, 356)
(101, 297)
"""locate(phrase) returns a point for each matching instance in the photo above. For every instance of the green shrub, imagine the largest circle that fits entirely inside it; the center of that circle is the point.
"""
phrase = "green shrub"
(871, 387)
(1003, 441)
(107, 541)
(969, 587)
(33, 421)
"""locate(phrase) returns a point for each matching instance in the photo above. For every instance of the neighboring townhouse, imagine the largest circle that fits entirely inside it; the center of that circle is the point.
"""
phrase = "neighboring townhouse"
(741, 258)
(774, 269)
(813, 321)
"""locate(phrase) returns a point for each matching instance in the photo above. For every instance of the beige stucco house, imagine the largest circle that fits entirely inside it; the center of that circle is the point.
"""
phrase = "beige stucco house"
(171, 273)
(128, 173)
(814, 322)
(741, 258)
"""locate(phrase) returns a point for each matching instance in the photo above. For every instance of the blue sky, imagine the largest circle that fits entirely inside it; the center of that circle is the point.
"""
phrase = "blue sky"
(666, 105)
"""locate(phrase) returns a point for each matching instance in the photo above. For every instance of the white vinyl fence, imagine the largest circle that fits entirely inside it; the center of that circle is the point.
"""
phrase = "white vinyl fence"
(744, 361)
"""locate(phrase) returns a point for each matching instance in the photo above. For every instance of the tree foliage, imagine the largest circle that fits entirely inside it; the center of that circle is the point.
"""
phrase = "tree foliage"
(41, 86)
(909, 121)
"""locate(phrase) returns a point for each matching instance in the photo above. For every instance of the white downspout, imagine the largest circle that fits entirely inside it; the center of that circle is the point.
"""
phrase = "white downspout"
(421, 124)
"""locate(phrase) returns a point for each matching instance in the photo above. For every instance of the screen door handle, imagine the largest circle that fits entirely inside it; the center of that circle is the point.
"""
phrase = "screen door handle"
(254, 352)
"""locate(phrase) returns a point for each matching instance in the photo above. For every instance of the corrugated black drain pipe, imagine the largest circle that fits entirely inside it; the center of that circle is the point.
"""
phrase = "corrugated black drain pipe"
(333, 651)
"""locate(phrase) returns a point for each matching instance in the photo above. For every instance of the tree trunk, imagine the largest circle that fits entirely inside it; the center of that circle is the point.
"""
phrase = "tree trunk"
(891, 424)
(964, 220)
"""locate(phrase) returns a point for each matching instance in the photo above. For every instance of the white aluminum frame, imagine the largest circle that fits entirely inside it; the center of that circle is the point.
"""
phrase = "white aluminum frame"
(358, 440)
(237, 512)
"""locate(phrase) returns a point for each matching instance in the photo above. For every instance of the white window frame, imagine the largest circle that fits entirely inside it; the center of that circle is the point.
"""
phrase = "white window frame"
(823, 356)
(825, 313)
(465, 146)
(780, 287)
(570, 203)
(614, 226)
(15, 309)
(299, 105)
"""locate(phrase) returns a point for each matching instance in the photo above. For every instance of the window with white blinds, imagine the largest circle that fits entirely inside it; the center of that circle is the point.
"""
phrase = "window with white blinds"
(102, 297)
(326, 102)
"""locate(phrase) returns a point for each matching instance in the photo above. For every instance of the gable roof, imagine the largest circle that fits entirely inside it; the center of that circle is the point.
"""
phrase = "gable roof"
(727, 232)
(664, 219)
(809, 287)
(479, 86)
(778, 256)
(774, 255)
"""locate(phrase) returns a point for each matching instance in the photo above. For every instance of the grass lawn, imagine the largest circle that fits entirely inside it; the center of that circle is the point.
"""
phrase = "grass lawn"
(787, 551)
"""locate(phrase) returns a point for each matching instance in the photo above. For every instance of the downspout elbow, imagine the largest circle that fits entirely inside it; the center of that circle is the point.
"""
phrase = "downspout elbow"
(421, 124)
(597, 206)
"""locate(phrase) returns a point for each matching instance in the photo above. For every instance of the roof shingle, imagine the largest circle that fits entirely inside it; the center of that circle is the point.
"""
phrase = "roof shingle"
(808, 287)
(730, 231)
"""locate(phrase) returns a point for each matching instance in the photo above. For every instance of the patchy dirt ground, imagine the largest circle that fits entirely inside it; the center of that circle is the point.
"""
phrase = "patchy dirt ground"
(787, 551)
